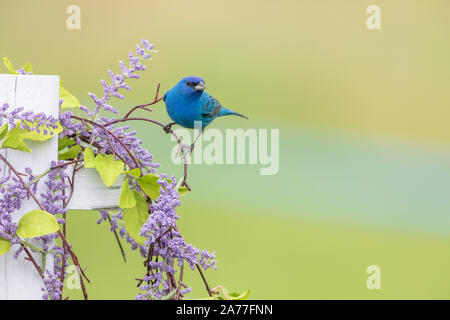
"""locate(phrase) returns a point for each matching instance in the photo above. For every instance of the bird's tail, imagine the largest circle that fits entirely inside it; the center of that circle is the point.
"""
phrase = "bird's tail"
(226, 112)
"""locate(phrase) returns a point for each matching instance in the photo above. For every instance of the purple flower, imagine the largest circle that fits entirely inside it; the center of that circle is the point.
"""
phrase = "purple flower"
(165, 250)
(168, 245)
(118, 80)
(39, 120)
(52, 286)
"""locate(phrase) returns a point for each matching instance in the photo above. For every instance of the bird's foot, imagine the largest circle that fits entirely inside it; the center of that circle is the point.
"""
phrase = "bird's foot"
(168, 127)
(185, 149)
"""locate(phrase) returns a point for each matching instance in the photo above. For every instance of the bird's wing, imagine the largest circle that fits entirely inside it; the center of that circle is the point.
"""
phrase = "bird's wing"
(211, 108)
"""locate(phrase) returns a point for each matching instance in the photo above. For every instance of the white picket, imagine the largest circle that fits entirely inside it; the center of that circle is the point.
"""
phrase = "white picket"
(18, 278)
(90, 193)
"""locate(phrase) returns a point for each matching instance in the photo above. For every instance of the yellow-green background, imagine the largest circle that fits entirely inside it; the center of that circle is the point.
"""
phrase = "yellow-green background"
(363, 115)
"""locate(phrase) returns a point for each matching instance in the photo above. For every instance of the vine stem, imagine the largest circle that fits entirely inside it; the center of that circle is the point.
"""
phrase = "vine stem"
(118, 240)
(150, 255)
(168, 130)
(204, 280)
(180, 281)
(143, 106)
(133, 158)
(63, 238)
(127, 118)
(33, 261)
(43, 174)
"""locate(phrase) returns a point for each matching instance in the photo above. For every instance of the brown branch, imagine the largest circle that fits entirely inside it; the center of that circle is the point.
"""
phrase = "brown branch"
(143, 106)
(168, 130)
(118, 240)
(67, 163)
(133, 158)
(77, 264)
(86, 139)
(204, 280)
(180, 281)
(150, 255)
(33, 261)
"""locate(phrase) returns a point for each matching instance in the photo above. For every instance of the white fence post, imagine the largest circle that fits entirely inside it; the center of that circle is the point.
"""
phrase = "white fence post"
(18, 278)
(90, 193)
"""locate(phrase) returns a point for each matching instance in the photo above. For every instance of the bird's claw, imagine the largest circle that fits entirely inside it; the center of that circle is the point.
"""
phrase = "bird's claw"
(185, 149)
(168, 127)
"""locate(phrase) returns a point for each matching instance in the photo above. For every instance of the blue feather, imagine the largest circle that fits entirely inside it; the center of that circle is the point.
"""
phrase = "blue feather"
(187, 102)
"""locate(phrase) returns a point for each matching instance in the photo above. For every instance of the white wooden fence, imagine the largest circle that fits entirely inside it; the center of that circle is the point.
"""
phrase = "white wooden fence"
(18, 278)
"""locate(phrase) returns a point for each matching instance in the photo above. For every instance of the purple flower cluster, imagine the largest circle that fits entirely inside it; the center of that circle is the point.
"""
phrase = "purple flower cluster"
(70, 127)
(12, 194)
(134, 245)
(55, 194)
(166, 243)
(97, 136)
(122, 231)
(38, 119)
(118, 80)
(107, 144)
(165, 249)
(23, 72)
(103, 216)
(53, 286)
(104, 143)
(53, 202)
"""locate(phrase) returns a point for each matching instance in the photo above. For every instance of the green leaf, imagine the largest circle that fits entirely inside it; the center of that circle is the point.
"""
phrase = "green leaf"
(237, 296)
(28, 68)
(15, 137)
(127, 200)
(136, 172)
(89, 158)
(69, 154)
(3, 131)
(64, 143)
(149, 184)
(35, 135)
(70, 101)
(15, 142)
(135, 217)
(5, 246)
(109, 168)
(9, 66)
(182, 191)
(37, 223)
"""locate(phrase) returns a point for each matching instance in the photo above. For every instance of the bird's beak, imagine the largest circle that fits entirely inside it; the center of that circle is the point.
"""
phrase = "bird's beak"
(200, 86)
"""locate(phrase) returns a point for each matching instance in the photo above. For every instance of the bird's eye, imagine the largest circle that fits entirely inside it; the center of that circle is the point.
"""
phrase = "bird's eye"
(189, 83)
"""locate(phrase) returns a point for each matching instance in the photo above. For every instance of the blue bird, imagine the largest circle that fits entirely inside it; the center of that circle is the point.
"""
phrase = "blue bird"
(188, 102)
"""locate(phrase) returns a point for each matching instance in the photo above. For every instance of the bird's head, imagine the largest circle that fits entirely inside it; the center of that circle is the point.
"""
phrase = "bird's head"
(192, 85)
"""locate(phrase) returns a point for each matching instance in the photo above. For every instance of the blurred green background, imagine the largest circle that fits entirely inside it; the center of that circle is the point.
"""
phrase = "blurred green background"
(363, 115)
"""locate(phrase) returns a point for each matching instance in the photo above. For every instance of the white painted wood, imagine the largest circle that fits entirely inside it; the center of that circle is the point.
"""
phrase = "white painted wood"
(18, 278)
(90, 193)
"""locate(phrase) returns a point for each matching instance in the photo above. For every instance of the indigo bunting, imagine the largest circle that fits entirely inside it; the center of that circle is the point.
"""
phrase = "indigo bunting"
(188, 102)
